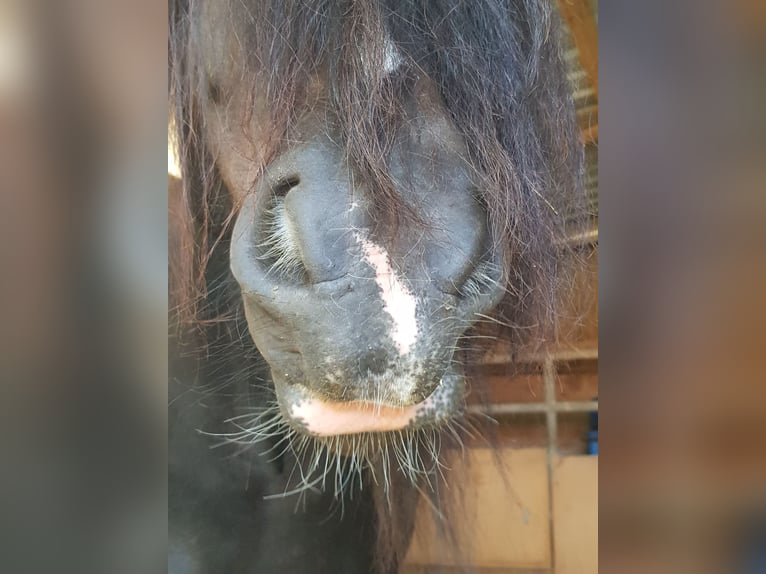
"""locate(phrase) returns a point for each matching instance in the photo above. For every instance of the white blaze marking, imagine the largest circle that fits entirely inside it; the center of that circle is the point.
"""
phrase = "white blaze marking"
(398, 300)
(393, 59)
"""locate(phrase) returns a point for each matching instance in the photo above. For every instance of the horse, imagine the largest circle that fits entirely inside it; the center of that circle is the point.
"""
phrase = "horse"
(372, 193)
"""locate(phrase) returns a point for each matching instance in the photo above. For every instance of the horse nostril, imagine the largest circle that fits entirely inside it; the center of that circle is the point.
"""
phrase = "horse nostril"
(374, 362)
(278, 237)
(284, 184)
(483, 279)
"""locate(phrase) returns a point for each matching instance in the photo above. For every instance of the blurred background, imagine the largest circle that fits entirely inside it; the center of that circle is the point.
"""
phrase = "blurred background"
(682, 475)
(83, 289)
(679, 88)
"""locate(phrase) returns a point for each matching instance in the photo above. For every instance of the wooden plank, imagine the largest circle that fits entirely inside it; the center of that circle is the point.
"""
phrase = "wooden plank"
(575, 514)
(589, 134)
(495, 384)
(582, 26)
(577, 317)
(503, 520)
(511, 431)
(417, 569)
(577, 381)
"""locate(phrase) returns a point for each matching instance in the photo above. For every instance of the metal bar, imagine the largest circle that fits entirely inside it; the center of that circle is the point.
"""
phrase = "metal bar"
(551, 420)
(557, 356)
(549, 384)
(584, 31)
(531, 408)
(591, 236)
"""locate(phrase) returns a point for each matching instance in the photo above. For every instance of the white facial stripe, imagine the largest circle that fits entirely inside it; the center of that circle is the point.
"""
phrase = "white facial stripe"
(398, 300)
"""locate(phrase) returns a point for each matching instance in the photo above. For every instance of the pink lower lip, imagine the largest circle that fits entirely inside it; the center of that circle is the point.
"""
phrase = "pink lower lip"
(331, 419)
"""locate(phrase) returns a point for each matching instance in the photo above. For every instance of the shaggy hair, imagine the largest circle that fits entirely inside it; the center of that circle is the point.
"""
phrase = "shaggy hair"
(497, 68)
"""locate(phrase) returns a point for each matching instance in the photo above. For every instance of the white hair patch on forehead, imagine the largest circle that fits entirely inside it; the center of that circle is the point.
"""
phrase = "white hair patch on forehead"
(393, 58)
(398, 301)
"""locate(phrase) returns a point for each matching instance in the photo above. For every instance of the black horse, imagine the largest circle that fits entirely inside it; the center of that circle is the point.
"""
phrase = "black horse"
(368, 188)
